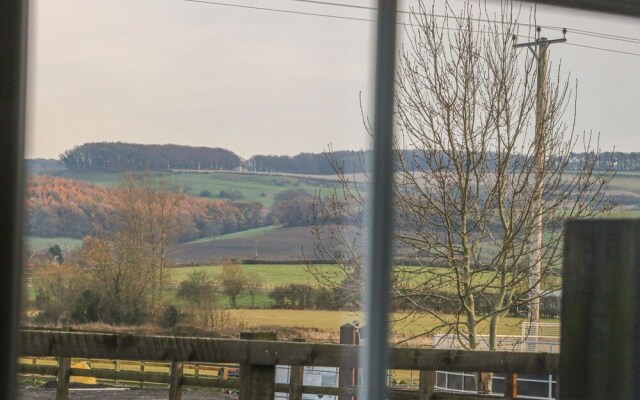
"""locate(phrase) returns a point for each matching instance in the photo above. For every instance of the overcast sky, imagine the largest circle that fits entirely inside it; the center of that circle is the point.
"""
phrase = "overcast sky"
(257, 82)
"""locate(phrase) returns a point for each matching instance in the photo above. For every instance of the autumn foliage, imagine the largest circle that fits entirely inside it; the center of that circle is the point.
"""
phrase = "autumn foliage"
(64, 207)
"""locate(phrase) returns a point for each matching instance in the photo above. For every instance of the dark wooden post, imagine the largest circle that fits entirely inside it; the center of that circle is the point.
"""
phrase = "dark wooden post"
(296, 378)
(600, 342)
(142, 370)
(511, 386)
(348, 376)
(175, 380)
(426, 385)
(257, 382)
(64, 366)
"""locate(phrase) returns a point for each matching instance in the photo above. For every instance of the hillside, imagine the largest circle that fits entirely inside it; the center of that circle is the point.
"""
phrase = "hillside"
(70, 208)
(233, 186)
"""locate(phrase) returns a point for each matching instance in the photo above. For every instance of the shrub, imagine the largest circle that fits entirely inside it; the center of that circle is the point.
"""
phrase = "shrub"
(170, 317)
(231, 195)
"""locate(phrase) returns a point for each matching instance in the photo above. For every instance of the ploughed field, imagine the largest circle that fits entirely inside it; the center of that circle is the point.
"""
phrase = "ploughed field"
(295, 243)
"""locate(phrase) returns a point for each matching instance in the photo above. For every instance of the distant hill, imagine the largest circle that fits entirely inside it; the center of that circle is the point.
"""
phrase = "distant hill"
(71, 208)
(116, 157)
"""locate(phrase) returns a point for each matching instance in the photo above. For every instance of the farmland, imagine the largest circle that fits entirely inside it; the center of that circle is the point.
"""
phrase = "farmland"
(331, 320)
(253, 187)
(280, 243)
(272, 275)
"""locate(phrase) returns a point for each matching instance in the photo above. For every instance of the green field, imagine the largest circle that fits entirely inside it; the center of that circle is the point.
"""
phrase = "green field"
(238, 235)
(272, 275)
(41, 244)
(260, 188)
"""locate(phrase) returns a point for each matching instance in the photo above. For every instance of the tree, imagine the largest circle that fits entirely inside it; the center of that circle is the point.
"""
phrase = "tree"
(127, 265)
(254, 283)
(467, 178)
(147, 223)
(199, 290)
(54, 253)
(233, 281)
(121, 278)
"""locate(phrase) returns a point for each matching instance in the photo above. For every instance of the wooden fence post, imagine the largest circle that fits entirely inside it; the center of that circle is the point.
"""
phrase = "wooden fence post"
(257, 382)
(511, 386)
(426, 385)
(348, 376)
(600, 355)
(175, 379)
(296, 378)
(116, 367)
(142, 370)
(64, 365)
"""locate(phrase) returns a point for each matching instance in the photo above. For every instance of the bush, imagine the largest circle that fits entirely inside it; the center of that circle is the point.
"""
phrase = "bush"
(205, 193)
(170, 317)
(87, 307)
(231, 195)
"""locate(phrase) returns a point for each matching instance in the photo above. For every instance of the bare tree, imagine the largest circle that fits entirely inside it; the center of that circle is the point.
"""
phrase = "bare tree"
(468, 181)
(199, 290)
(147, 223)
(233, 281)
(127, 265)
(254, 283)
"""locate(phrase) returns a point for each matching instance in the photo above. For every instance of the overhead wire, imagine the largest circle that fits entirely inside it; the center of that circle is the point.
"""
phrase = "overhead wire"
(603, 49)
(557, 28)
(341, 17)
(215, 3)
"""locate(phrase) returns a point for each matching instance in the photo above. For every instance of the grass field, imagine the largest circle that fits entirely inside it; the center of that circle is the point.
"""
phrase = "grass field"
(42, 244)
(272, 275)
(331, 320)
(284, 274)
(238, 235)
(260, 188)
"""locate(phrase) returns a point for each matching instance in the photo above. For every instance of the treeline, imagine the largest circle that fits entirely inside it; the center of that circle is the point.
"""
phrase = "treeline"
(63, 207)
(117, 157)
(307, 163)
(617, 161)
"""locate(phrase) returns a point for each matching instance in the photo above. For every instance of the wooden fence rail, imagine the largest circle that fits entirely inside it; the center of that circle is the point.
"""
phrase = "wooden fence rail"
(258, 359)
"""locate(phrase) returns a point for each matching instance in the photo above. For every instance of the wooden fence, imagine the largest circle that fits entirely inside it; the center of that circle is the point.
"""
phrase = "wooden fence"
(258, 360)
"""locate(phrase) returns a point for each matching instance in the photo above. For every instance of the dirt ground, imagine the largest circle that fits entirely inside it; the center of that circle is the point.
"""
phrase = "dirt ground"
(39, 393)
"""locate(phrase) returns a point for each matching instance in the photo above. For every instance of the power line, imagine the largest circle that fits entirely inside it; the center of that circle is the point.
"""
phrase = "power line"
(557, 28)
(598, 35)
(603, 49)
(340, 17)
(280, 10)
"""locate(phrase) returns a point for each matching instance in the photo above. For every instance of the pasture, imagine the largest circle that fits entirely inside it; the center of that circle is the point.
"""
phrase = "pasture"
(254, 188)
(36, 243)
(332, 320)
(285, 274)
(272, 275)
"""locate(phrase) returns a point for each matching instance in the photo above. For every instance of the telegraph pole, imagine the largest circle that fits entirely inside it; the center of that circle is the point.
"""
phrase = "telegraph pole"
(539, 50)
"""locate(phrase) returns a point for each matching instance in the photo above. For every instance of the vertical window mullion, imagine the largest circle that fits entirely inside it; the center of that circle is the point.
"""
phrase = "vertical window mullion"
(380, 209)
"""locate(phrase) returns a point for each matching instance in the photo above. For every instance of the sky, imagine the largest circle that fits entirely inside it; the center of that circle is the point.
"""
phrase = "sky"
(259, 82)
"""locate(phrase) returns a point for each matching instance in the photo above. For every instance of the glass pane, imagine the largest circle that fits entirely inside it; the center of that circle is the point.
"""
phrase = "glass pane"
(188, 161)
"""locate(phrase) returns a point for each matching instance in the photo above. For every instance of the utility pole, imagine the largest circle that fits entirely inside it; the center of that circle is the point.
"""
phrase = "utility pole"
(539, 50)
